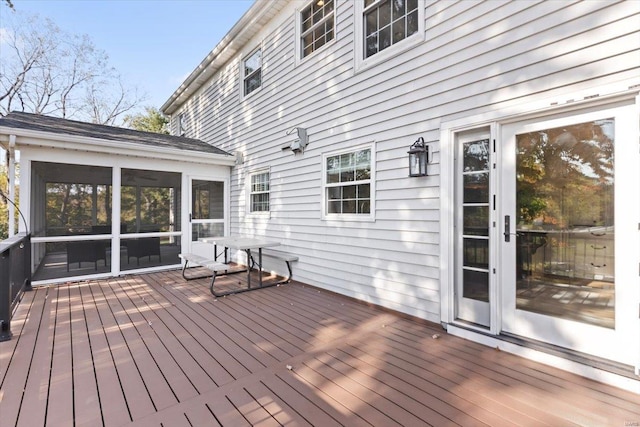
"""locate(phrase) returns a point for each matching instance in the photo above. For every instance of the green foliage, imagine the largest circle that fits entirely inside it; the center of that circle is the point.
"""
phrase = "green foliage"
(4, 205)
(155, 208)
(69, 207)
(565, 176)
(150, 121)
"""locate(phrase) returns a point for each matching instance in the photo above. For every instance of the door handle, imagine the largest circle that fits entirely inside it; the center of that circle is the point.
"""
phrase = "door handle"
(507, 228)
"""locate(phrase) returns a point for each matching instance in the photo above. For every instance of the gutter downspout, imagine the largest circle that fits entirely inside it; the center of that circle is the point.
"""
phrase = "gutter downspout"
(11, 166)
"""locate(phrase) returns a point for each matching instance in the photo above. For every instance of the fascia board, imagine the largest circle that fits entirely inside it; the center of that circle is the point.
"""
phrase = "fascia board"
(26, 138)
(210, 62)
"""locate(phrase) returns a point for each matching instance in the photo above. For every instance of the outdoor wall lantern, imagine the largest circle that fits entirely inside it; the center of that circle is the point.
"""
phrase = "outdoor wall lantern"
(418, 158)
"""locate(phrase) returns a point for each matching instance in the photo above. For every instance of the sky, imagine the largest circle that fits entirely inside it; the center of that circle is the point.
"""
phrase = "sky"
(154, 44)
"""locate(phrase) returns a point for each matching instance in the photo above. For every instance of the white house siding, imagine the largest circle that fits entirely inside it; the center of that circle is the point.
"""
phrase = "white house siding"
(476, 57)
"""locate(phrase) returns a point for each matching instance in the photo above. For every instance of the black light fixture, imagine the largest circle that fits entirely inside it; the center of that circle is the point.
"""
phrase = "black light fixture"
(418, 158)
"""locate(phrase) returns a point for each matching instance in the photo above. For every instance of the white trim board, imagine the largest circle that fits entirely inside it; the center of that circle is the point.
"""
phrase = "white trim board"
(593, 373)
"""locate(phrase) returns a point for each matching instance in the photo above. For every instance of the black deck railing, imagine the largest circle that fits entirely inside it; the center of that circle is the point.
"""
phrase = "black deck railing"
(15, 277)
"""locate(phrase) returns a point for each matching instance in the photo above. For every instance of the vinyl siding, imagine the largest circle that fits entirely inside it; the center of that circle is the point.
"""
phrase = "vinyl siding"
(475, 57)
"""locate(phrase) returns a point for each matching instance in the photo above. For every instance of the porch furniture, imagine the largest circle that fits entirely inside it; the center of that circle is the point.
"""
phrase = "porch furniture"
(86, 251)
(280, 256)
(210, 264)
(143, 247)
(244, 243)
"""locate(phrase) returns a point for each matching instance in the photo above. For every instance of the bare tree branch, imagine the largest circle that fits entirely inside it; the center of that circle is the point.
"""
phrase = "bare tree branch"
(44, 70)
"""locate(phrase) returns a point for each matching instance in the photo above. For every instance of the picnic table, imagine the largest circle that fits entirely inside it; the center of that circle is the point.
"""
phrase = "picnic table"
(244, 243)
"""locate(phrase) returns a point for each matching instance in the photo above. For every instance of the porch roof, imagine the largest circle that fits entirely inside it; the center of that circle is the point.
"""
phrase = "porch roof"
(53, 128)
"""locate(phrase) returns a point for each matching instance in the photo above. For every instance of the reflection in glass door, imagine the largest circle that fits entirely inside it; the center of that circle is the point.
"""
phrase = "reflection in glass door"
(472, 227)
(568, 249)
(565, 228)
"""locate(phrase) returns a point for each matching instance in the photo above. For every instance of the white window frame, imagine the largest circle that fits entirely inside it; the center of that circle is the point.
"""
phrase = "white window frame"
(371, 181)
(299, 57)
(249, 192)
(243, 76)
(361, 62)
(180, 124)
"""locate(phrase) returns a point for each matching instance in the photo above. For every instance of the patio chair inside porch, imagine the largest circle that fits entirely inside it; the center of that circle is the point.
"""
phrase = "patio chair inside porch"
(86, 251)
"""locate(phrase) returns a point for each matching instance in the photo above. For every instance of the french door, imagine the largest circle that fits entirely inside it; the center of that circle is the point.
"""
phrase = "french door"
(568, 237)
(473, 248)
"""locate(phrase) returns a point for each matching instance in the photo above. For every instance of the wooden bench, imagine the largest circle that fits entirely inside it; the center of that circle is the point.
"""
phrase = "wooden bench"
(280, 256)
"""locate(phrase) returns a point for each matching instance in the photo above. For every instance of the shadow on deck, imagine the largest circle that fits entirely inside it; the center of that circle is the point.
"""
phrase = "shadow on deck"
(153, 350)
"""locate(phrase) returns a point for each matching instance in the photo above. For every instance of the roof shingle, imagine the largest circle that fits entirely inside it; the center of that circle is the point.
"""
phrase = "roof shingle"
(56, 125)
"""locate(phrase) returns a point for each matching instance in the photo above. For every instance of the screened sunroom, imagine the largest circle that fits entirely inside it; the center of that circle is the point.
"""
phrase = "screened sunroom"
(104, 201)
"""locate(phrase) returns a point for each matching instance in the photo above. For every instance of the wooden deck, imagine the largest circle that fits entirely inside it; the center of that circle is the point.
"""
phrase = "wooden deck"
(154, 350)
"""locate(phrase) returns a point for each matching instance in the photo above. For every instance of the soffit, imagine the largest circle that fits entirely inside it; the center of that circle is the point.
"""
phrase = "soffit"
(250, 24)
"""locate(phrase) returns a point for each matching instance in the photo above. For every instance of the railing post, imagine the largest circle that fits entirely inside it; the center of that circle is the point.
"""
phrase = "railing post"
(5, 296)
(27, 263)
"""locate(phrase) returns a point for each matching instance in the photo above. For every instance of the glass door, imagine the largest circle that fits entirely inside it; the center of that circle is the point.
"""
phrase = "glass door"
(207, 216)
(569, 254)
(472, 224)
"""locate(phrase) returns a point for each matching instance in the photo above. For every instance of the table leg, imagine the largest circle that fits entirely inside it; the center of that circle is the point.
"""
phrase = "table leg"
(260, 265)
(248, 251)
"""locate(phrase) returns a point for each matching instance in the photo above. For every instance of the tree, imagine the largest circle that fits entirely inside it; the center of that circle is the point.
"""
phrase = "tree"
(45, 70)
(4, 212)
(4, 203)
(150, 121)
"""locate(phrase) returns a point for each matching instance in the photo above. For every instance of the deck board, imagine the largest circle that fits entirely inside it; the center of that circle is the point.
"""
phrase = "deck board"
(113, 404)
(155, 350)
(18, 322)
(61, 390)
(133, 388)
(87, 409)
(234, 354)
(178, 343)
(33, 360)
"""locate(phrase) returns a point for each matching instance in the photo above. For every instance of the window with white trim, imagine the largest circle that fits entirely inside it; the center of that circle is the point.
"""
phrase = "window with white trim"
(180, 124)
(387, 22)
(348, 183)
(317, 26)
(259, 192)
(252, 72)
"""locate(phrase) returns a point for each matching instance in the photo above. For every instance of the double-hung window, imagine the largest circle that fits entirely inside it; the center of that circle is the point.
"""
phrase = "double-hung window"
(317, 25)
(180, 124)
(259, 192)
(252, 72)
(387, 22)
(348, 184)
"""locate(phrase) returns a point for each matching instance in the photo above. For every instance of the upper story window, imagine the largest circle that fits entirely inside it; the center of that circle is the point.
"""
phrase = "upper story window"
(348, 184)
(252, 72)
(180, 124)
(259, 192)
(317, 24)
(387, 22)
